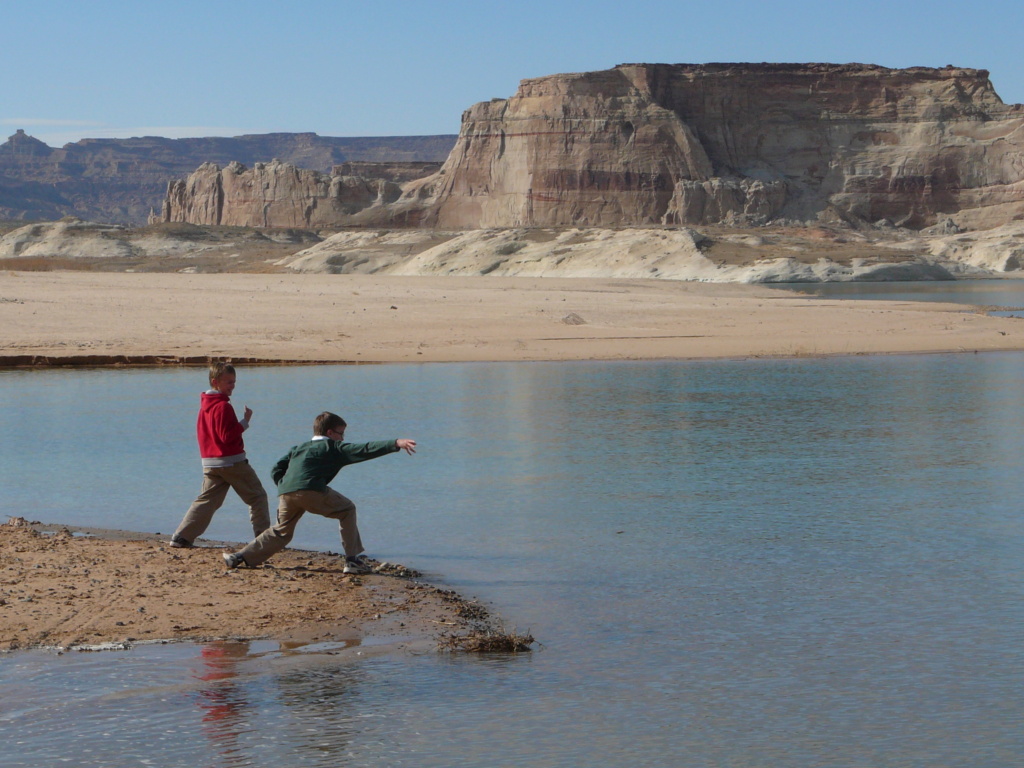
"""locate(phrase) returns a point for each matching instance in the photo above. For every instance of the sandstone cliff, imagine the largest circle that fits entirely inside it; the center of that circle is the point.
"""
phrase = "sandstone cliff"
(643, 144)
(122, 180)
(271, 195)
(733, 143)
(398, 172)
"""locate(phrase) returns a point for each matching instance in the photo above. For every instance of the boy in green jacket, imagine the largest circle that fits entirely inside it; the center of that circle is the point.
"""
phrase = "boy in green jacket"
(302, 477)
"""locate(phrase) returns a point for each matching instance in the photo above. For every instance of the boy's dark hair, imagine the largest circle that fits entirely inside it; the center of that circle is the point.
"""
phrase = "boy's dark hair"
(219, 369)
(326, 421)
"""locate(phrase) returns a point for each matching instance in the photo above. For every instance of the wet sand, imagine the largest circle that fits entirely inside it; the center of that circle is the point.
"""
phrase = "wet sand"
(88, 588)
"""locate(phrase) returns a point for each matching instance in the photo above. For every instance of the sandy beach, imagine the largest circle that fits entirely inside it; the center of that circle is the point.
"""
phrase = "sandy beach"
(64, 589)
(100, 318)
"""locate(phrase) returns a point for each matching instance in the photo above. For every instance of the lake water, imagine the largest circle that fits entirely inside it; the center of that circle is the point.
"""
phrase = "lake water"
(733, 563)
(1004, 292)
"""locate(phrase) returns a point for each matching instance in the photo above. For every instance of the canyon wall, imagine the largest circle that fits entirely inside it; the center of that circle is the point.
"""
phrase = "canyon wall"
(676, 144)
(271, 194)
(123, 180)
(734, 143)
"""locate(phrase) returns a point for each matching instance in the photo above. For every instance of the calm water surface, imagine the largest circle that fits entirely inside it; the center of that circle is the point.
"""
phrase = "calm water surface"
(1003, 292)
(763, 563)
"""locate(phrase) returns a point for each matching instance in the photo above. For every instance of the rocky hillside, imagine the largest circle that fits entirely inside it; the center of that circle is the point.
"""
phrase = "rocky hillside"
(279, 194)
(710, 254)
(122, 180)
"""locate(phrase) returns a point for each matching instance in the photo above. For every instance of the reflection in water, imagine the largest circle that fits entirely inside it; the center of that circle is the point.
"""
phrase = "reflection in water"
(316, 705)
(222, 700)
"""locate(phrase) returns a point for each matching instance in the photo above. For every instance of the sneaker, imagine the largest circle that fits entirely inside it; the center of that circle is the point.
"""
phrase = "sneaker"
(234, 560)
(357, 564)
(179, 543)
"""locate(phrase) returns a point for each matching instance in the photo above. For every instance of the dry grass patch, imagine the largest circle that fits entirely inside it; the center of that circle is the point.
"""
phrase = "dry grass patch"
(480, 633)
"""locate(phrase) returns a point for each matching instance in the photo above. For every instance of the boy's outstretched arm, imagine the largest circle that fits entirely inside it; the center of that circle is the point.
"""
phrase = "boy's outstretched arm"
(353, 453)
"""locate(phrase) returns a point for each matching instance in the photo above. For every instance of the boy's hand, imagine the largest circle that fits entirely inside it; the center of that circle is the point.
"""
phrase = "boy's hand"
(248, 413)
(407, 445)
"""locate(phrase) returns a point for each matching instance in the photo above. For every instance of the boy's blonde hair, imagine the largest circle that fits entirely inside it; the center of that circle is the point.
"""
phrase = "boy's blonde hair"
(219, 369)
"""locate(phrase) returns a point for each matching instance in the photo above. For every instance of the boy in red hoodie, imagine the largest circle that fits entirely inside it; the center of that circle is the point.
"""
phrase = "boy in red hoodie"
(224, 464)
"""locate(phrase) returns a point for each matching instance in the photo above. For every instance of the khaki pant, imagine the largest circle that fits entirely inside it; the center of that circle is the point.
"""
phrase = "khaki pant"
(216, 482)
(290, 508)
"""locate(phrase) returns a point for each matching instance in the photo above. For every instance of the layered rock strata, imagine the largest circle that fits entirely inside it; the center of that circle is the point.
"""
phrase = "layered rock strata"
(398, 172)
(734, 143)
(660, 144)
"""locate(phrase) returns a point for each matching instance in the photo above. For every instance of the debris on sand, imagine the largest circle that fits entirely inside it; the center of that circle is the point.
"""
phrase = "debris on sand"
(489, 640)
(394, 569)
(482, 634)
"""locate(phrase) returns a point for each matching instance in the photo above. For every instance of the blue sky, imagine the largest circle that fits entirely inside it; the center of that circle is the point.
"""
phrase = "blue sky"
(114, 68)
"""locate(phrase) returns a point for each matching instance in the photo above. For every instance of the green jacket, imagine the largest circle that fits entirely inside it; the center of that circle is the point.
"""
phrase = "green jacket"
(311, 466)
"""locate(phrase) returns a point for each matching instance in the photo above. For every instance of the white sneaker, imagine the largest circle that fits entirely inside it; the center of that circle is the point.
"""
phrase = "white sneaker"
(234, 560)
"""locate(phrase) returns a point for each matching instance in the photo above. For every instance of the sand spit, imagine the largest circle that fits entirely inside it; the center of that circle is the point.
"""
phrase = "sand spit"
(94, 589)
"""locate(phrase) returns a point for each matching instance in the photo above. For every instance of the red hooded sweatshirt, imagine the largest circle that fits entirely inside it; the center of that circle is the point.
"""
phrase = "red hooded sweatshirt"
(217, 428)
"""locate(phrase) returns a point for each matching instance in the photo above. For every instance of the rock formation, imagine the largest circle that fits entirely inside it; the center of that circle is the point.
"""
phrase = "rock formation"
(160, 247)
(271, 194)
(69, 238)
(398, 172)
(122, 180)
(786, 255)
(715, 254)
(733, 143)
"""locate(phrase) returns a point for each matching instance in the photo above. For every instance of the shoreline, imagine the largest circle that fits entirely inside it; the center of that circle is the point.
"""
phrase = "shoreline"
(54, 319)
(39, 363)
(67, 588)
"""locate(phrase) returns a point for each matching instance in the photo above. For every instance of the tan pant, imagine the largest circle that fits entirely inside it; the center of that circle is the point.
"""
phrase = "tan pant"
(290, 508)
(216, 482)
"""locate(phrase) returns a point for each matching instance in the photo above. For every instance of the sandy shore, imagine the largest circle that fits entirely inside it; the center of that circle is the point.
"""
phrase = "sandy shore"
(84, 588)
(95, 317)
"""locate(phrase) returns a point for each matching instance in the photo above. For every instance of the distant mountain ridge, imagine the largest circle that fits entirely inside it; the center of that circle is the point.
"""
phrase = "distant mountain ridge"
(122, 180)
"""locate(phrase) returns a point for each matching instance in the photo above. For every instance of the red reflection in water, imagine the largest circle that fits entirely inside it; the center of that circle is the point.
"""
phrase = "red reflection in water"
(221, 700)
